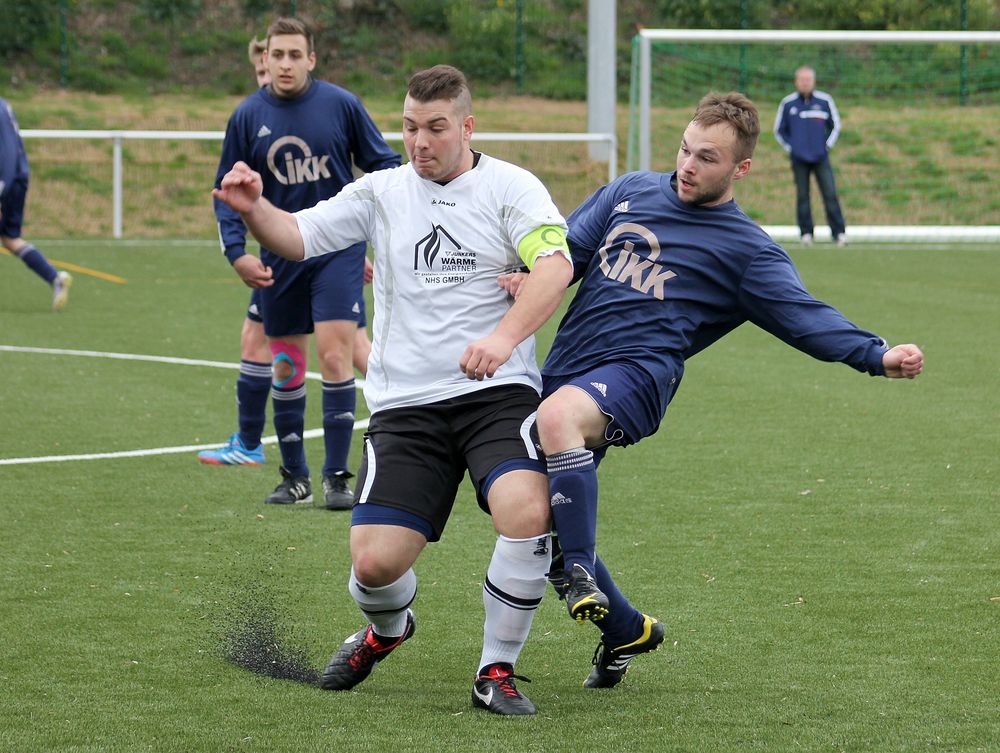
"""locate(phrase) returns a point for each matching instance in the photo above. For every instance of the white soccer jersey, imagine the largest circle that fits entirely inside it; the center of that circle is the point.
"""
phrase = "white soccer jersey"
(438, 252)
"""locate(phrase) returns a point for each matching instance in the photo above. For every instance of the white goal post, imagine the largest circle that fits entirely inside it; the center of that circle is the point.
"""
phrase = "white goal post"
(644, 106)
(736, 36)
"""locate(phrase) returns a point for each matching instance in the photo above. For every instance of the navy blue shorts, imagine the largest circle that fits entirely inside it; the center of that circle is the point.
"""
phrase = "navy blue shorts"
(627, 394)
(12, 208)
(322, 289)
(253, 309)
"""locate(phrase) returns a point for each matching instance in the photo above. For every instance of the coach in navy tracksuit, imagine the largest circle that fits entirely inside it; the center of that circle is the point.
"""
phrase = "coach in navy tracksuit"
(807, 126)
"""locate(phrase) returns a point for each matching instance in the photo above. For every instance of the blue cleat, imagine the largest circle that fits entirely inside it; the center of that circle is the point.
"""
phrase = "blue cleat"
(233, 453)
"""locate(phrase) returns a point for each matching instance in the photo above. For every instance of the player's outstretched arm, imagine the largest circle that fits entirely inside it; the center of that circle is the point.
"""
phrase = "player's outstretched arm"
(903, 362)
(242, 189)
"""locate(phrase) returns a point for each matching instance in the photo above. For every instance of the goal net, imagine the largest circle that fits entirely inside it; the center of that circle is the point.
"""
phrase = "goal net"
(919, 150)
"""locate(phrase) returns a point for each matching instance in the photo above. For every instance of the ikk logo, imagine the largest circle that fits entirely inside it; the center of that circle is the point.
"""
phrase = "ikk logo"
(429, 247)
(646, 275)
(306, 168)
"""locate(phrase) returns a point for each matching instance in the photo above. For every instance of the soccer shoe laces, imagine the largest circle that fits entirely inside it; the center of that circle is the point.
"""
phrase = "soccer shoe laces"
(504, 679)
(365, 654)
(598, 653)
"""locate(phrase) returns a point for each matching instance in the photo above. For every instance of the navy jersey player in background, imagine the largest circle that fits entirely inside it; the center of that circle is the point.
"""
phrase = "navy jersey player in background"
(14, 173)
(807, 126)
(668, 264)
(253, 384)
(304, 137)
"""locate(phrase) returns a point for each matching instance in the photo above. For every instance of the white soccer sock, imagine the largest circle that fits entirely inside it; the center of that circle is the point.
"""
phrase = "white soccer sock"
(515, 584)
(385, 606)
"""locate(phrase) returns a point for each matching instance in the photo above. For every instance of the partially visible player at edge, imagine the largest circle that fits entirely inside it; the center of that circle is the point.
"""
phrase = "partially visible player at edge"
(444, 227)
(14, 176)
(303, 136)
(668, 263)
(254, 381)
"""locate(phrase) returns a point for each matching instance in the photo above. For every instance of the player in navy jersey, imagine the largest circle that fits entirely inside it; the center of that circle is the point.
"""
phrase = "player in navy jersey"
(253, 384)
(667, 264)
(304, 136)
(14, 175)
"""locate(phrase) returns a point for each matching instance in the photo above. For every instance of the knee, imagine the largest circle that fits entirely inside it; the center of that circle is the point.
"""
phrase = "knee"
(556, 426)
(289, 364)
(372, 568)
(337, 362)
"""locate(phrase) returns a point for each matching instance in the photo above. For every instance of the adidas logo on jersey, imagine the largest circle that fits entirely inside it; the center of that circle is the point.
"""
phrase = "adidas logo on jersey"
(621, 207)
(264, 131)
(602, 388)
(293, 437)
(559, 499)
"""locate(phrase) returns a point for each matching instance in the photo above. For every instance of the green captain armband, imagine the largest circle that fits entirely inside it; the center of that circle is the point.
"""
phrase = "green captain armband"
(542, 241)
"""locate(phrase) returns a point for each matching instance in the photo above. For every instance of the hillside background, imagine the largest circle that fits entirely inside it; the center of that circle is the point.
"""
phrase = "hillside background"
(533, 47)
(920, 144)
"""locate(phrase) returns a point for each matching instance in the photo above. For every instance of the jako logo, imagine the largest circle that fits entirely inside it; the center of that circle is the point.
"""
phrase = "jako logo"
(304, 169)
(430, 246)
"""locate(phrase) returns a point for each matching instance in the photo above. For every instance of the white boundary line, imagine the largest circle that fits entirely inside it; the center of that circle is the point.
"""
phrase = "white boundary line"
(309, 434)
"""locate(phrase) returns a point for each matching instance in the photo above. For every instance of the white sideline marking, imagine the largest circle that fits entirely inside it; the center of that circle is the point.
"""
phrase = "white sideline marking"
(309, 434)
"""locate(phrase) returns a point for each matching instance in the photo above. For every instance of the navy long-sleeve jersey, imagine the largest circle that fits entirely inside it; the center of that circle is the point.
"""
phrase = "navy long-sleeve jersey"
(13, 159)
(662, 280)
(304, 149)
(807, 128)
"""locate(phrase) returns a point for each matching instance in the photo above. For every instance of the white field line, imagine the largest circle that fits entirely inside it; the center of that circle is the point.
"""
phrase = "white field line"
(309, 434)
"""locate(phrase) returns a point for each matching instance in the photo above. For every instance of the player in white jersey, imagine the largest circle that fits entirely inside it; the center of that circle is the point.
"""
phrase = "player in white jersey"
(444, 227)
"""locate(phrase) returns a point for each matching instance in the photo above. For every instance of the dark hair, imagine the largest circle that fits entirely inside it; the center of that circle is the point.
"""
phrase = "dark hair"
(736, 111)
(290, 26)
(441, 82)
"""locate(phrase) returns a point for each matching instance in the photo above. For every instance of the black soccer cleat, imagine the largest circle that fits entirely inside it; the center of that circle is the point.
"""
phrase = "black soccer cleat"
(359, 654)
(336, 493)
(293, 490)
(494, 690)
(557, 575)
(584, 600)
(611, 664)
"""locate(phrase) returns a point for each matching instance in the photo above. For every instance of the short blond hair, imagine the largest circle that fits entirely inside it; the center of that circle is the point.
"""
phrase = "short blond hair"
(255, 50)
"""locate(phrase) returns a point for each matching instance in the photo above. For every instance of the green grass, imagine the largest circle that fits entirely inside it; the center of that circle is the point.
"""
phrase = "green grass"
(822, 546)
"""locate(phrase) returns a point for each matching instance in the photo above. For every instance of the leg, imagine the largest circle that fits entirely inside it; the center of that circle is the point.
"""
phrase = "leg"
(362, 349)
(35, 261)
(335, 346)
(254, 383)
(828, 189)
(514, 586)
(288, 396)
(568, 422)
(384, 585)
(336, 302)
(803, 208)
(362, 345)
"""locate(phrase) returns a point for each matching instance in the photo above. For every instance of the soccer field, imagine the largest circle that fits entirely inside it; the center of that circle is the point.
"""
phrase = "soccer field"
(822, 547)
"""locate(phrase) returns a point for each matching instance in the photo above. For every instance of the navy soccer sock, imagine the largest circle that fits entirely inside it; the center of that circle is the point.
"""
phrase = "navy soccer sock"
(573, 496)
(252, 388)
(289, 423)
(37, 263)
(623, 624)
(339, 402)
